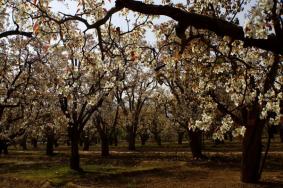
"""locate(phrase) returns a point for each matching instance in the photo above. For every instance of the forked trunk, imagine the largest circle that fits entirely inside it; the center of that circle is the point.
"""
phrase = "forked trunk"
(252, 147)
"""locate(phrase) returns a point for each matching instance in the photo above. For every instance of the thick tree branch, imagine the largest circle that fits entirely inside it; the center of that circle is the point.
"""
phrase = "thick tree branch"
(15, 32)
(222, 108)
(219, 26)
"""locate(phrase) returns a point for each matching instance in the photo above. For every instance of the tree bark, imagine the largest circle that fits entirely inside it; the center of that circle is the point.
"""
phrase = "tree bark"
(281, 131)
(131, 136)
(116, 138)
(75, 157)
(86, 144)
(281, 135)
(219, 26)
(3, 147)
(131, 141)
(34, 142)
(50, 145)
(157, 139)
(196, 143)
(104, 146)
(23, 142)
(252, 147)
(144, 137)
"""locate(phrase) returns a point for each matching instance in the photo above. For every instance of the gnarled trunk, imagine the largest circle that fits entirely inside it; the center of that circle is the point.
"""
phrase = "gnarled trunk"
(252, 147)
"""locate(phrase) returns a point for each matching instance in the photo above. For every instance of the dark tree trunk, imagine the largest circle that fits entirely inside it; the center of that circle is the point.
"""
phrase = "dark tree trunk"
(180, 137)
(131, 141)
(75, 157)
(104, 146)
(3, 147)
(50, 145)
(113, 139)
(281, 130)
(157, 139)
(143, 141)
(252, 147)
(144, 137)
(81, 142)
(34, 142)
(56, 144)
(281, 121)
(116, 138)
(131, 137)
(86, 144)
(196, 143)
(23, 142)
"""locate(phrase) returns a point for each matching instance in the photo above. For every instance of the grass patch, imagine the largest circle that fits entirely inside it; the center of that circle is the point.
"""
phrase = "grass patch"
(60, 175)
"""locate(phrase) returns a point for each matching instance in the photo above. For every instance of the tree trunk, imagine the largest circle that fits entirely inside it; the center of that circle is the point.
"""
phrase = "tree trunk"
(180, 137)
(196, 143)
(116, 138)
(281, 135)
(104, 146)
(131, 137)
(143, 141)
(281, 129)
(3, 147)
(56, 144)
(131, 141)
(252, 147)
(86, 144)
(34, 142)
(157, 139)
(144, 137)
(113, 139)
(49, 145)
(23, 142)
(75, 157)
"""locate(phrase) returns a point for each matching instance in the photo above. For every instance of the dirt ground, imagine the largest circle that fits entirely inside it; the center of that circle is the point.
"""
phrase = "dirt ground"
(147, 167)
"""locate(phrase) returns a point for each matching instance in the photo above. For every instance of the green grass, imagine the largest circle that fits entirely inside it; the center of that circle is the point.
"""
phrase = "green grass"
(60, 175)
